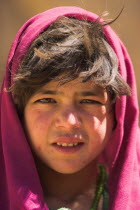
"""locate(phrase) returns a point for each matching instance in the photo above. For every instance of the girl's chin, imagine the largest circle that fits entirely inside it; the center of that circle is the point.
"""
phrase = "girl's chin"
(73, 168)
(66, 170)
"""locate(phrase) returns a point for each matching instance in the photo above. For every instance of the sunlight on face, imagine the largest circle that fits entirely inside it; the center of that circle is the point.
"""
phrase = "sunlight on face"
(68, 126)
(72, 119)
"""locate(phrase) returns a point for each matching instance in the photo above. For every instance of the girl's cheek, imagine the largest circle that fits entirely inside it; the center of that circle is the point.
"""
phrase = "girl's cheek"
(95, 117)
(98, 125)
(43, 119)
(98, 111)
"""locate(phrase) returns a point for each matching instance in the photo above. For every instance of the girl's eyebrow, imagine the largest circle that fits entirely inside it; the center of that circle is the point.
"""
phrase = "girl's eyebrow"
(50, 92)
(82, 93)
(88, 93)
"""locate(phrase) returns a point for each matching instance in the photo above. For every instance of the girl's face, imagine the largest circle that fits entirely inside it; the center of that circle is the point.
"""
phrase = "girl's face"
(68, 126)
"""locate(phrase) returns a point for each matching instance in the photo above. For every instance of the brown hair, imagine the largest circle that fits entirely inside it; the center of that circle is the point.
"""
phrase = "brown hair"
(68, 49)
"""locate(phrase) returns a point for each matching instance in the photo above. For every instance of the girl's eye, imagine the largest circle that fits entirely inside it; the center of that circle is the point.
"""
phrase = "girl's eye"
(45, 101)
(90, 101)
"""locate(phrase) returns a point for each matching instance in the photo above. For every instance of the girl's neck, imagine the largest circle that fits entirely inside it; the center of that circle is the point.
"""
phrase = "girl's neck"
(68, 188)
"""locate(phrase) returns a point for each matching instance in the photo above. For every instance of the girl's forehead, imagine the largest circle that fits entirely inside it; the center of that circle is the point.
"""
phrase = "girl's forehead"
(74, 85)
(72, 88)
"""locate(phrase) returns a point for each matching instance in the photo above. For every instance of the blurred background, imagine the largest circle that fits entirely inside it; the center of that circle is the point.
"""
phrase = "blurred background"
(13, 13)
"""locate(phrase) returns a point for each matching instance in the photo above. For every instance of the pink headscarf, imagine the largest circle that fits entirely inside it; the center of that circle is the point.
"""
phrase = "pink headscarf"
(20, 187)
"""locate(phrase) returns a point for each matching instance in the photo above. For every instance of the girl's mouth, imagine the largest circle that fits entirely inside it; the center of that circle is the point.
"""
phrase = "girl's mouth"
(68, 144)
(68, 147)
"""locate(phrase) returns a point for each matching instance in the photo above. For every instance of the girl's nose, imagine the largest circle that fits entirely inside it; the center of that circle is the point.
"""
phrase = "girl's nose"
(68, 119)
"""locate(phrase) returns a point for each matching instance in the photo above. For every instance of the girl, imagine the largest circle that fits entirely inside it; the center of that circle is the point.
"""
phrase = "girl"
(69, 117)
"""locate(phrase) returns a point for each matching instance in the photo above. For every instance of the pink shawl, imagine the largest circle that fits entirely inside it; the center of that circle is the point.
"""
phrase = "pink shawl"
(20, 186)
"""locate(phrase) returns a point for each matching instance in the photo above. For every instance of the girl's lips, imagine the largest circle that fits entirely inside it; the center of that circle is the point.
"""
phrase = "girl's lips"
(68, 149)
(65, 141)
(68, 140)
